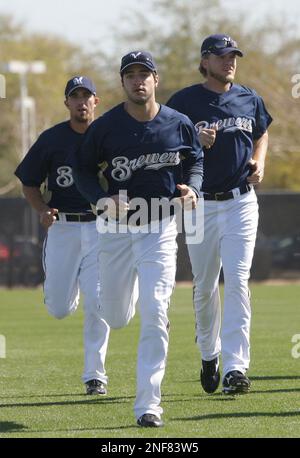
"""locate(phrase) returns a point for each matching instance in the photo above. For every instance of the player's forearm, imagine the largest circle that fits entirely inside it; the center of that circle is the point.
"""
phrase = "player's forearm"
(34, 197)
(260, 149)
(193, 176)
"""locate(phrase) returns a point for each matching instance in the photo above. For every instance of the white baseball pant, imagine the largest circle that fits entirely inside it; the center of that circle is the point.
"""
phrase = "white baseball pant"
(139, 266)
(229, 239)
(71, 266)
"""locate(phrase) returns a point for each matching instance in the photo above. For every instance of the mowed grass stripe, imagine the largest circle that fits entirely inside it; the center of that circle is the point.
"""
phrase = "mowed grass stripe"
(41, 393)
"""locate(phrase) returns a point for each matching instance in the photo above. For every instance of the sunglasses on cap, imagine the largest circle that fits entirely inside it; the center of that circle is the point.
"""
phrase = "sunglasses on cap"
(220, 44)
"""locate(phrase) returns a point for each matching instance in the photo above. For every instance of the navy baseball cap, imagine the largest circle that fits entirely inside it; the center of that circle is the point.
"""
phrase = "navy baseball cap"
(138, 57)
(79, 81)
(220, 44)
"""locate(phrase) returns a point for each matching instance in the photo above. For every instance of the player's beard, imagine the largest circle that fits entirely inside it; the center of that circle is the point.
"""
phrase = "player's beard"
(83, 118)
(221, 78)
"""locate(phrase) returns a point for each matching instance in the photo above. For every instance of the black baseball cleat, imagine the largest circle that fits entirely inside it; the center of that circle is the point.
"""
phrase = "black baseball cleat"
(210, 375)
(95, 387)
(235, 382)
(148, 420)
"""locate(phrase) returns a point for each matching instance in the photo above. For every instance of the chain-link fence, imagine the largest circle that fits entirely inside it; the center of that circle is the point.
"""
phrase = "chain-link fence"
(277, 252)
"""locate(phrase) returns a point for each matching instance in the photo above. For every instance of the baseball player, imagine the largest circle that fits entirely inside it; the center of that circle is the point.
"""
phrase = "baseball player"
(232, 124)
(71, 245)
(141, 144)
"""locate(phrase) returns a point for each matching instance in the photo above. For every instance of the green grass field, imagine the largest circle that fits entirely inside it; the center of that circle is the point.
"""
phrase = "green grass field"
(41, 394)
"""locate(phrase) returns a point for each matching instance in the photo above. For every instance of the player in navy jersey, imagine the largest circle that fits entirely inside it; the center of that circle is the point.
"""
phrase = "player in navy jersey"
(71, 244)
(232, 124)
(149, 152)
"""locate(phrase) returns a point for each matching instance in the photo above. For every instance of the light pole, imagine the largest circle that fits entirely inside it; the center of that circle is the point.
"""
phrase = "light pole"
(2, 87)
(28, 133)
(22, 68)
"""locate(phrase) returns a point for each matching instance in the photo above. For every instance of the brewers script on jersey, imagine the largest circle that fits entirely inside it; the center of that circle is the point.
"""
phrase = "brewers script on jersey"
(143, 158)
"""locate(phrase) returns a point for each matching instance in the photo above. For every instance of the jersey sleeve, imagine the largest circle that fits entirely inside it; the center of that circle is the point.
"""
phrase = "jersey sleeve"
(262, 117)
(32, 171)
(85, 164)
(192, 165)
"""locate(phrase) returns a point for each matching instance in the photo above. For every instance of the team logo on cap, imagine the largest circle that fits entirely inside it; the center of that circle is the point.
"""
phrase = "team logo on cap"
(78, 80)
(135, 55)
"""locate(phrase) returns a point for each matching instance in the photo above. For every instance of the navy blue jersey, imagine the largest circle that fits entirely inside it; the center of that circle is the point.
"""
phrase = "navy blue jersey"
(48, 161)
(147, 159)
(240, 118)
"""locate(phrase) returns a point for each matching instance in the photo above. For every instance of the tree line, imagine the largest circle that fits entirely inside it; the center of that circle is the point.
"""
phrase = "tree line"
(271, 61)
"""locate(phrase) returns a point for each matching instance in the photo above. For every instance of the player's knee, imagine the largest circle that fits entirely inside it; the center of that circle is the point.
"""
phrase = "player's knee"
(115, 321)
(203, 296)
(58, 313)
(205, 288)
(236, 282)
(154, 314)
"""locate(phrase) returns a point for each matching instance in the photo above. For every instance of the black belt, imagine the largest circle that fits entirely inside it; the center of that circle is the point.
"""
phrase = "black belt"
(226, 195)
(79, 218)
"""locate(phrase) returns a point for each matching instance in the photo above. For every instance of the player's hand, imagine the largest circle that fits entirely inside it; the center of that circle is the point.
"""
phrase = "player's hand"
(257, 172)
(117, 206)
(188, 197)
(47, 217)
(207, 137)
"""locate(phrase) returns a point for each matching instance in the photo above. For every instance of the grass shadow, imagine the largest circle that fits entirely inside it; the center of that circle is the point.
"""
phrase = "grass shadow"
(219, 416)
(68, 431)
(95, 400)
(275, 377)
(283, 390)
(11, 427)
(48, 395)
(57, 395)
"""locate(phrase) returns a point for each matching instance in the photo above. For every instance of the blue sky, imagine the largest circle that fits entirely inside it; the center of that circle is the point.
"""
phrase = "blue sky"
(89, 21)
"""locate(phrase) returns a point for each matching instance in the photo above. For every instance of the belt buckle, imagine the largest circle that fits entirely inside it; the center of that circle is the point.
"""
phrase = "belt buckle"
(218, 194)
